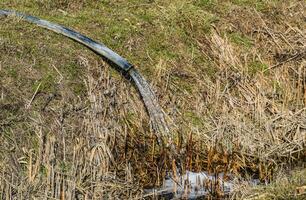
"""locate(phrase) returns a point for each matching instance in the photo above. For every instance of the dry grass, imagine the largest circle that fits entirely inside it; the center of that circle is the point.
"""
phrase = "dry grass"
(230, 75)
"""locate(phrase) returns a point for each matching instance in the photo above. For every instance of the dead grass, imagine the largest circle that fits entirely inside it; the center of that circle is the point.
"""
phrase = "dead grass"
(229, 74)
(285, 186)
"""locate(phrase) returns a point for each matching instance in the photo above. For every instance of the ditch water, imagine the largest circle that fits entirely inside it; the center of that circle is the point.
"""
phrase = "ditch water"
(193, 185)
(190, 185)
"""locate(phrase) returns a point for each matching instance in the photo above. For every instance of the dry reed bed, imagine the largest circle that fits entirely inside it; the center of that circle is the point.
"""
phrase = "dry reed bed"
(247, 117)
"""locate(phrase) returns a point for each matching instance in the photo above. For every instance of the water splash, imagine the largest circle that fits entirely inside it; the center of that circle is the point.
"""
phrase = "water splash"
(190, 185)
(197, 185)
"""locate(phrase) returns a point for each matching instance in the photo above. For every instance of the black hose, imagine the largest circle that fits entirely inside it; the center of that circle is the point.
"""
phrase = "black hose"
(99, 48)
(150, 101)
(155, 112)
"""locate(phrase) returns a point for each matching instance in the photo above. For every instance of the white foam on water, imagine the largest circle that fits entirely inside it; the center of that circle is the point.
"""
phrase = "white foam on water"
(190, 185)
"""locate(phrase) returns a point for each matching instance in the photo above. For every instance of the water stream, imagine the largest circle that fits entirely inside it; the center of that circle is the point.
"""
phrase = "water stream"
(150, 101)
(190, 185)
(156, 114)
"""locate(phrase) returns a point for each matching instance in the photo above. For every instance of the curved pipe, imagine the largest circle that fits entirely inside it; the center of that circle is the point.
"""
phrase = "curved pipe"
(99, 48)
(156, 114)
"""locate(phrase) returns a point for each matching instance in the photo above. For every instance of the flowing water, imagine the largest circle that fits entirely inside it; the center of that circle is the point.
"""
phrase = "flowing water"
(190, 185)
(156, 114)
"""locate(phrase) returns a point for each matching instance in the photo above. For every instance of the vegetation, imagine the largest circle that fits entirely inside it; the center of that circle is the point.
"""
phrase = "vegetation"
(230, 75)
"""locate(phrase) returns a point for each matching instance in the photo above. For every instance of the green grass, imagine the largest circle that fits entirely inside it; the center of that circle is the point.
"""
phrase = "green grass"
(259, 5)
(241, 40)
(206, 3)
(284, 188)
(197, 80)
(257, 66)
(194, 119)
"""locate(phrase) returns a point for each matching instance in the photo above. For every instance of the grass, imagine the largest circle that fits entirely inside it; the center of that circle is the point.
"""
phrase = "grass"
(284, 187)
(85, 132)
(241, 40)
(257, 66)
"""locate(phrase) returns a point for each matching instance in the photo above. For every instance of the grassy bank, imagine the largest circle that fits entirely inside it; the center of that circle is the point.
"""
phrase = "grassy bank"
(230, 75)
